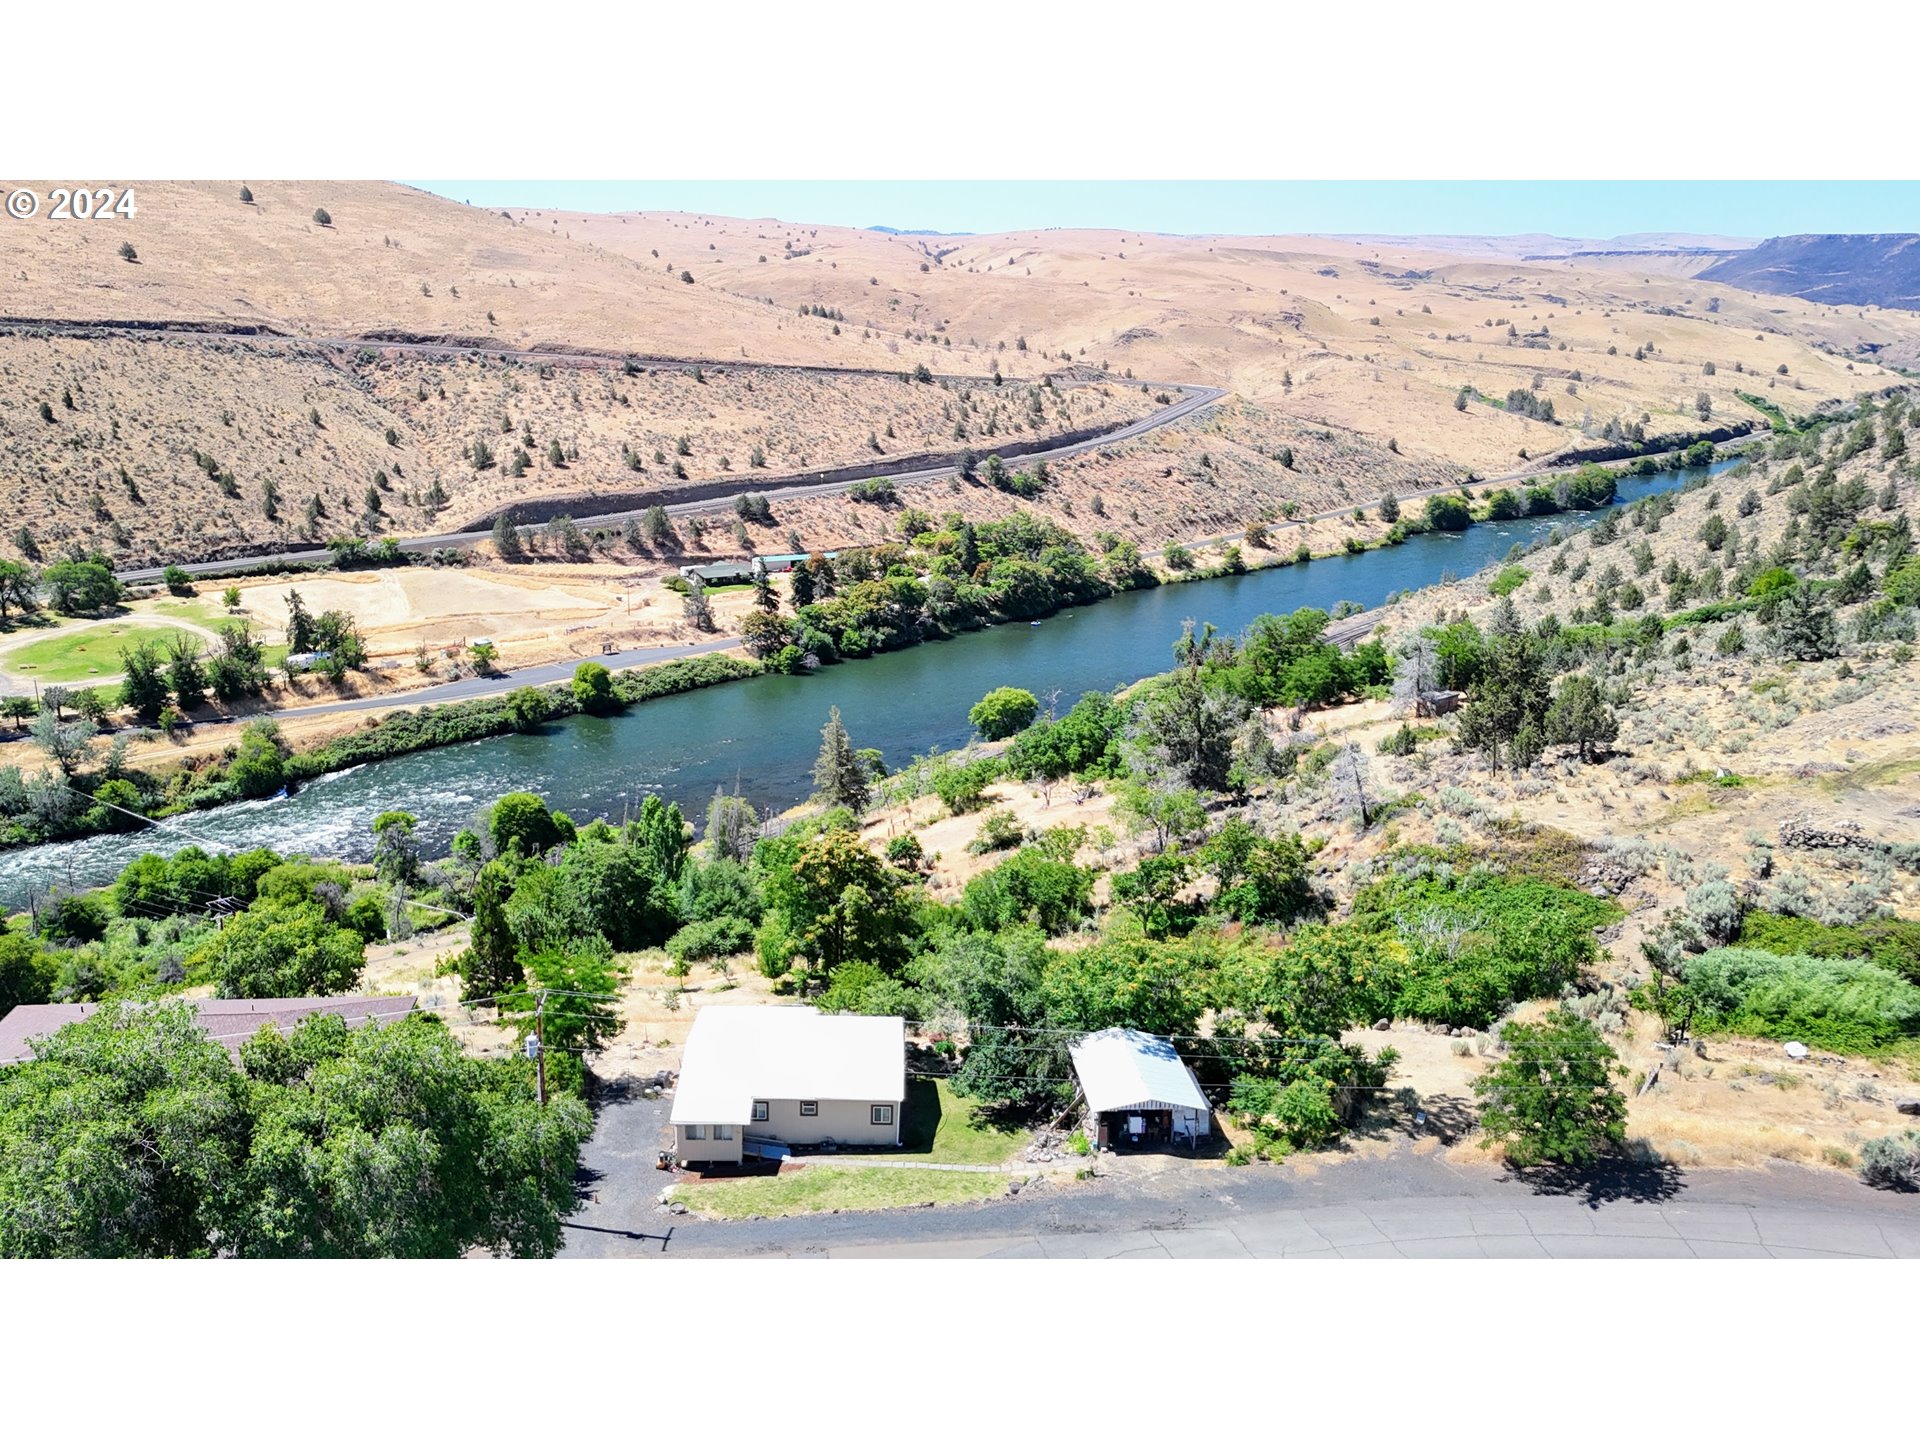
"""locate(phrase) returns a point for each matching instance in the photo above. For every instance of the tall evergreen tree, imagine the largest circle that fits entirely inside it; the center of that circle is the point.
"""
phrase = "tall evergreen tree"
(839, 775)
(506, 539)
(490, 965)
(299, 624)
(1505, 717)
(143, 688)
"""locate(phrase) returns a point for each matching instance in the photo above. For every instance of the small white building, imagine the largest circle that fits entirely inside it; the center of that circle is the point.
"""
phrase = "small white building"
(1138, 1090)
(787, 1075)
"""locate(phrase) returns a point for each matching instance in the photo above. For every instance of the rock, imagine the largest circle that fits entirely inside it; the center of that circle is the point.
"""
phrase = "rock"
(1795, 1050)
(1907, 1107)
(1383, 1024)
(1799, 832)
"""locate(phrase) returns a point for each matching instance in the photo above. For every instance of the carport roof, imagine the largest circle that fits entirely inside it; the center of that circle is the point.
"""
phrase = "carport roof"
(1129, 1070)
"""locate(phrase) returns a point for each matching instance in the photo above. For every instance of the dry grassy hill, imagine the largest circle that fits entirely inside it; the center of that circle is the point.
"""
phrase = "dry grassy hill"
(1350, 356)
(394, 258)
(114, 466)
(1354, 334)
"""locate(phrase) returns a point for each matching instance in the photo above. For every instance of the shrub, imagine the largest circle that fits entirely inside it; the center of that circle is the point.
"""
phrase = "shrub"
(709, 939)
(1467, 948)
(1509, 580)
(1716, 908)
(999, 831)
(1838, 1004)
(1891, 944)
(1892, 1161)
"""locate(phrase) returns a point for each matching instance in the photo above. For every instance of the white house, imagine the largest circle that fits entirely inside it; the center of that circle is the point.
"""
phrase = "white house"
(1138, 1090)
(789, 1075)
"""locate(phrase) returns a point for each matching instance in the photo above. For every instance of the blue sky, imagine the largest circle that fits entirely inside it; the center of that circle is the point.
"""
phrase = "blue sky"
(1577, 208)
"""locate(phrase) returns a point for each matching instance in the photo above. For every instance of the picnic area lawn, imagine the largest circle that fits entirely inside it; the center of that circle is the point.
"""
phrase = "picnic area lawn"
(80, 652)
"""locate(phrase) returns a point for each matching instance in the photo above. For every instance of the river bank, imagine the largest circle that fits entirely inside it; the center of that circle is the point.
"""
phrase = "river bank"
(759, 740)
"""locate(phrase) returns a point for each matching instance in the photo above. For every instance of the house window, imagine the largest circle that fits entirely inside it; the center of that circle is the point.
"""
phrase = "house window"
(759, 1110)
(809, 1107)
(882, 1114)
(696, 1132)
(723, 1132)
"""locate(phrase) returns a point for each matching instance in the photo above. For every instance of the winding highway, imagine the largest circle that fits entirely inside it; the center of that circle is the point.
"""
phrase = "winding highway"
(789, 487)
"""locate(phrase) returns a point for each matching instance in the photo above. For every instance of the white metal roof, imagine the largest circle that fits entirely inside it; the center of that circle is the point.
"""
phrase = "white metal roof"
(741, 1053)
(1129, 1070)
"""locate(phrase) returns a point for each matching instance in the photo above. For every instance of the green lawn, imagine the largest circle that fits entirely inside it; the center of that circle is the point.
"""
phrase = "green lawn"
(837, 1187)
(81, 652)
(947, 1129)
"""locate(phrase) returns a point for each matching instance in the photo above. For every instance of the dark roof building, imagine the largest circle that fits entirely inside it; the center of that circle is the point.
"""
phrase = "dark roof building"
(231, 1022)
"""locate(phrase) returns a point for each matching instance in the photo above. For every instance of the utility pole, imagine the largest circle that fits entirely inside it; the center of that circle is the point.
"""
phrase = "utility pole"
(540, 1047)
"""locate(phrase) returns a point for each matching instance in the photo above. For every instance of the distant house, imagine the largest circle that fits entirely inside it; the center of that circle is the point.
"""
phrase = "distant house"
(1138, 1090)
(231, 1022)
(735, 572)
(780, 564)
(722, 572)
(761, 1077)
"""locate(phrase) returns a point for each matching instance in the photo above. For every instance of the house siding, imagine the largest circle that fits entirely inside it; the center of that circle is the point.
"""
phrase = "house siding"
(845, 1122)
(706, 1151)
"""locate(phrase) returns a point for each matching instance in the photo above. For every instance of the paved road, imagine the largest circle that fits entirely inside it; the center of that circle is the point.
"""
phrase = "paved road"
(474, 687)
(1404, 1205)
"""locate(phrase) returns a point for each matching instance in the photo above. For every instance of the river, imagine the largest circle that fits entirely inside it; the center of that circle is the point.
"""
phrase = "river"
(760, 736)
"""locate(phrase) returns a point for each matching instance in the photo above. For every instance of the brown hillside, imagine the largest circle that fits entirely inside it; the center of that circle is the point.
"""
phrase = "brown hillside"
(116, 468)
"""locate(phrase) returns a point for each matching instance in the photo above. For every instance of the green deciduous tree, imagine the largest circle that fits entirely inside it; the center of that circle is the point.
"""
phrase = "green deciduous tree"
(842, 903)
(522, 819)
(121, 1139)
(389, 1141)
(1003, 712)
(1553, 1100)
(259, 767)
(396, 853)
(273, 950)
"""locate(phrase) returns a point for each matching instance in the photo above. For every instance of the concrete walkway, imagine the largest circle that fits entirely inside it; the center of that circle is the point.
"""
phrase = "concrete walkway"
(877, 1162)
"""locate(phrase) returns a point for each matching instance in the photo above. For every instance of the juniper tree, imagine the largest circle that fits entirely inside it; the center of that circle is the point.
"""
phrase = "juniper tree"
(695, 606)
(839, 775)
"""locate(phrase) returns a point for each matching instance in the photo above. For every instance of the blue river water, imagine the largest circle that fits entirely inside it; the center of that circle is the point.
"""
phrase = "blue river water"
(759, 737)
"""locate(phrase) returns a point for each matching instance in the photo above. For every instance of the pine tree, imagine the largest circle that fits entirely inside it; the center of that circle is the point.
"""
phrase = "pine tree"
(1505, 716)
(839, 775)
(490, 965)
(696, 607)
(299, 624)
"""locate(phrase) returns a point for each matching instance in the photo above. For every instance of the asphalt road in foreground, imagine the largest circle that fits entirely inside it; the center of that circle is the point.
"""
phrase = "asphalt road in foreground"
(1401, 1205)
